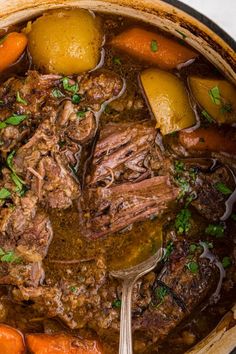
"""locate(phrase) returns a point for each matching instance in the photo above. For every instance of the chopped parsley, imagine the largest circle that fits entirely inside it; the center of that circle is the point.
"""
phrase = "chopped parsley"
(179, 166)
(76, 98)
(193, 267)
(73, 289)
(4, 193)
(160, 294)
(226, 108)
(184, 36)
(216, 230)
(66, 85)
(81, 114)
(214, 93)
(182, 221)
(222, 188)
(206, 115)
(116, 60)
(57, 93)
(116, 304)
(226, 262)
(154, 46)
(193, 248)
(20, 188)
(9, 257)
(184, 186)
(15, 119)
(19, 99)
(168, 250)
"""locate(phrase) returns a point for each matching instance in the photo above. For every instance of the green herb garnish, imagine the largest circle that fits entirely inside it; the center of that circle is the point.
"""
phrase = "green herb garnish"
(168, 250)
(193, 267)
(81, 114)
(57, 93)
(76, 98)
(154, 46)
(182, 221)
(160, 294)
(9, 257)
(207, 116)
(116, 60)
(193, 248)
(73, 289)
(66, 85)
(179, 166)
(20, 188)
(4, 193)
(116, 304)
(183, 184)
(226, 262)
(214, 93)
(216, 230)
(184, 36)
(13, 120)
(19, 99)
(226, 108)
(222, 188)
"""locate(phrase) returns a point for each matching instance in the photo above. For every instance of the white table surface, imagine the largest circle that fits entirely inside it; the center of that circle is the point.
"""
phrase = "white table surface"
(222, 12)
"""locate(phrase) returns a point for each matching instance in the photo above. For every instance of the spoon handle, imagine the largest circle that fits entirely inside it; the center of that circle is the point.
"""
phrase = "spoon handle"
(125, 346)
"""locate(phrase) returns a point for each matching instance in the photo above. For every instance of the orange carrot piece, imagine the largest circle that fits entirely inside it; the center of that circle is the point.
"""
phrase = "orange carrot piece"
(61, 344)
(153, 48)
(209, 139)
(11, 340)
(11, 48)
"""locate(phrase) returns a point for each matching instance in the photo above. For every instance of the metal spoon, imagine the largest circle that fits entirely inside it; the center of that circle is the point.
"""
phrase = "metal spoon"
(129, 277)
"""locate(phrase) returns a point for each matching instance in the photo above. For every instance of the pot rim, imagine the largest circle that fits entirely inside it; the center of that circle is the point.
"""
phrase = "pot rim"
(205, 20)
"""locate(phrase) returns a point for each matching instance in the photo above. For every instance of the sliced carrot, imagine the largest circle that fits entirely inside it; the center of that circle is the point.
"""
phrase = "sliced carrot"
(61, 344)
(153, 48)
(11, 340)
(11, 48)
(209, 139)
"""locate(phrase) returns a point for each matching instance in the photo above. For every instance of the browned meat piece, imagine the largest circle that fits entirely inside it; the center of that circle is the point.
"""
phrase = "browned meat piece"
(78, 128)
(124, 152)
(112, 209)
(176, 292)
(99, 87)
(54, 184)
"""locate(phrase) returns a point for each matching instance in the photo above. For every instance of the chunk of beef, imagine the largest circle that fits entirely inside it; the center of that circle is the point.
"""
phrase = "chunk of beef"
(124, 152)
(100, 87)
(112, 209)
(54, 184)
(176, 292)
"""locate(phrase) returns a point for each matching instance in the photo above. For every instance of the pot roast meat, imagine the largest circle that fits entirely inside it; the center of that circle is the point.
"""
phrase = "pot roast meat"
(177, 291)
(112, 209)
(124, 152)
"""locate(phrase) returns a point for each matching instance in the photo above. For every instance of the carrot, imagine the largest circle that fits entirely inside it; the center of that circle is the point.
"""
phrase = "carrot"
(153, 48)
(209, 139)
(11, 48)
(11, 340)
(61, 344)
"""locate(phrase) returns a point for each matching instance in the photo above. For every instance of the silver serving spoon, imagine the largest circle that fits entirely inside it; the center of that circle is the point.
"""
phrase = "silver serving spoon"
(129, 277)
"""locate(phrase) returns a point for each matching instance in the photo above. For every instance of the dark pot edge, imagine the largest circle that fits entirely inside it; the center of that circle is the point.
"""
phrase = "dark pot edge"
(205, 20)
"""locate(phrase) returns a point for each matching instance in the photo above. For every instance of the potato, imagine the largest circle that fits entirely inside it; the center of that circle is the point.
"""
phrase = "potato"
(168, 100)
(66, 41)
(216, 96)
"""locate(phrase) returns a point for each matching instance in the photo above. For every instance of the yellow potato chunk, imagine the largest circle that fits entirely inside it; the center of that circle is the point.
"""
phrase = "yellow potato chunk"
(168, 100)
(216, 96)
(66, 41)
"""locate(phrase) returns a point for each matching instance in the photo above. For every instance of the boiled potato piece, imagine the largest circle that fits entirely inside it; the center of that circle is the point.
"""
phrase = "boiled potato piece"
(66, 41)
(168, 100)
(216, 96)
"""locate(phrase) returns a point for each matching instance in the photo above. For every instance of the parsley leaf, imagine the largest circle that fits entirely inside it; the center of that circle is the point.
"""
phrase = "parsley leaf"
(226, 262)
(4, 193)
(66, 85)
(15, 178)
(81, 114)
(19, 99)
(73, 289)
(116, 304)
(179, 166)
(160, 294)
(226, 108)
(116, 60)
(193, 267)
(214, 93)
(216, 230)
(182, 221)
(76, 98)
(168, 250)
(222, 188)
(9, 257)
(13, 120)
(57, 93)
(154, 46)
(206, 115)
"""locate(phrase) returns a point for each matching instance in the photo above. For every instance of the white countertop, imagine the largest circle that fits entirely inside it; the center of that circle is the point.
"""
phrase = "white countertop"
(222, 12)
